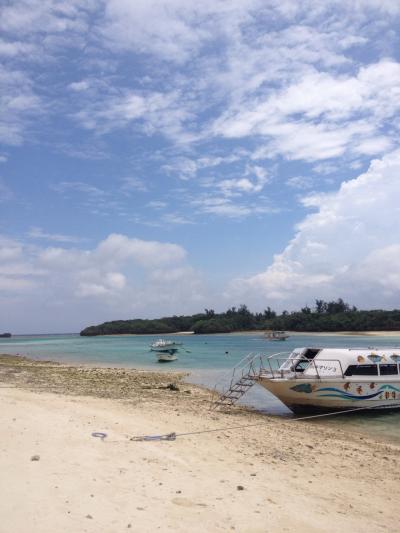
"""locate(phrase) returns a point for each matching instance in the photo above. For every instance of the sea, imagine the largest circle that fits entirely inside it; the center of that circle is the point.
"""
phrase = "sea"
(209, 360)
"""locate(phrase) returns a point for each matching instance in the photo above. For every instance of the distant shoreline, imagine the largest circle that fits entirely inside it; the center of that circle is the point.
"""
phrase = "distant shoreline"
(395, 333)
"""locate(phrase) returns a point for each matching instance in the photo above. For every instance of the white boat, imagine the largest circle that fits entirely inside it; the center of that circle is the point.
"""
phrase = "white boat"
(163, 345)
(276, 335)
(333, 378)
(167, 357)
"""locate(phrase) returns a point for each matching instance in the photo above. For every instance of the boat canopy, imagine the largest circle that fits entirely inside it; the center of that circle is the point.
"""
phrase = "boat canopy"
(334, 362)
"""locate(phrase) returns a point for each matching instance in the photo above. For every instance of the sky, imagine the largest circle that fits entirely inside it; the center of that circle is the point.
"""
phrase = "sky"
(159, 157)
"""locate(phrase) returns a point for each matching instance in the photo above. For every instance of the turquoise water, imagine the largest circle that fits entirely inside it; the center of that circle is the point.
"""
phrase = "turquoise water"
(208, 358)
(208, 352)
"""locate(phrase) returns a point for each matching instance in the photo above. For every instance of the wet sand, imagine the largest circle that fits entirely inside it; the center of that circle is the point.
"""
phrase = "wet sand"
(278, 475)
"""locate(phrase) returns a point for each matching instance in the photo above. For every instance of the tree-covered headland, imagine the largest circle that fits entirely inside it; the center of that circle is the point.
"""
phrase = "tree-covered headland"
(324, 316)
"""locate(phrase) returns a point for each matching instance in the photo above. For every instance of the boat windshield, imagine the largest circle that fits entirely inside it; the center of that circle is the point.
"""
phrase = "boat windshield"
(299, 359)
(307, 356)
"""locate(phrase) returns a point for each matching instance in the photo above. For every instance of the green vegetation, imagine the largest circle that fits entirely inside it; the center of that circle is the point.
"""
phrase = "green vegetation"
(325, 316)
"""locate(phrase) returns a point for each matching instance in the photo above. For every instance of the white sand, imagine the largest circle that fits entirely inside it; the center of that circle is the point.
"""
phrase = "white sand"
(296, 477)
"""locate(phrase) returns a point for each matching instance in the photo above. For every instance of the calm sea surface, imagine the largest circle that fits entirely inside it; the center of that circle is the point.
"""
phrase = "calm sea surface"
(208, 358)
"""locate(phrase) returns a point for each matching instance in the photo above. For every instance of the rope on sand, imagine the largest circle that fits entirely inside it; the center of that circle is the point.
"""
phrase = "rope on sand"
(173, 436)
(168, 436)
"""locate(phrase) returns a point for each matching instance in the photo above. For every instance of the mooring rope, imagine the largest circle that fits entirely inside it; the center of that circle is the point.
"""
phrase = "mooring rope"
(173, 435)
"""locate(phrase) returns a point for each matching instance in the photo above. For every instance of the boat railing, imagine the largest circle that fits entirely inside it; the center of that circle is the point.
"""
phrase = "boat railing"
(237, 371)
(243, 374)
(252, 365)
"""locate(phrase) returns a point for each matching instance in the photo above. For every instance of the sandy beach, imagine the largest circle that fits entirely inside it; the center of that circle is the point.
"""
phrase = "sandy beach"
(278, 475)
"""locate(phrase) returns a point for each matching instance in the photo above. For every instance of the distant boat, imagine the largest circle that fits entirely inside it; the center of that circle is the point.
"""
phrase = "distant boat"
(167, 357)
(163, 345)
(276, 335)
(5, 335)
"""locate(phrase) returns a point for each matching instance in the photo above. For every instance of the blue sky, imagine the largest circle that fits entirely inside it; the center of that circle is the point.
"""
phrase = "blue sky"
(161, 157)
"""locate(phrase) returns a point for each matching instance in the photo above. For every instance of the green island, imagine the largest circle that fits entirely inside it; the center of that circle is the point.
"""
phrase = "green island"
(324, 316)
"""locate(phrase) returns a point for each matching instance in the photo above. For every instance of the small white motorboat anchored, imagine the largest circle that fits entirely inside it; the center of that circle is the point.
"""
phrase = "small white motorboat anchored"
(166, 350)
(276, 335)
(167, 357)
(162, 345)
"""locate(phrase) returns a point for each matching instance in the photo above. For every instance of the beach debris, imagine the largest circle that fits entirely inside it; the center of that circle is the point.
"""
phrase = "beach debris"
(35, 458)
(89, 516)
(240, 487)
(99, 434)
(173, 387)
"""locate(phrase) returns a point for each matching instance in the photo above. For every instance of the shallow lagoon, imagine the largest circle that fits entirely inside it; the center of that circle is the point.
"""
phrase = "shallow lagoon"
(208, 358)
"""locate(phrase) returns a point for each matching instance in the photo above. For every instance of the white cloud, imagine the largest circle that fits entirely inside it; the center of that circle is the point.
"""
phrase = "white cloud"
(225, 207)
(18, 104)
(350, 247)
(154, 112)
(38, 233)
(9, 249)
(120, 277)
(300, 182)
(133, 184)
(11, 284)
(174, 30)
(183, 168)
(321, 115)
(15, 48)
(79, 86)
(157, 204)
(146, 253)
(176, 219)
(78, 186)
(245, 185)
(31, 17)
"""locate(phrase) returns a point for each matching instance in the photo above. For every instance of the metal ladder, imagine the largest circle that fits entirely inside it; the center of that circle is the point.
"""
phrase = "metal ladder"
(243, 377)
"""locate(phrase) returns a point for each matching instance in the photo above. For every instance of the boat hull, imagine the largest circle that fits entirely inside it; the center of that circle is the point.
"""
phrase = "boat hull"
(165, 358)
(333, 395)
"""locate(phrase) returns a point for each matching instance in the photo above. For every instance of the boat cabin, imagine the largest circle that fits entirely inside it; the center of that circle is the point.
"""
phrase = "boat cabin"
(340, 362)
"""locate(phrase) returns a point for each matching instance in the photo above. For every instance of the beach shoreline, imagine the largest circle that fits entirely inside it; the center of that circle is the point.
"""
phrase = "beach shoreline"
(226, 479)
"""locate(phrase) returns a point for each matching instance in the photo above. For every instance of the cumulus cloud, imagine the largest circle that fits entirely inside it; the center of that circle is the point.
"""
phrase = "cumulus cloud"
(349, 247)
(121, 276)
